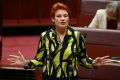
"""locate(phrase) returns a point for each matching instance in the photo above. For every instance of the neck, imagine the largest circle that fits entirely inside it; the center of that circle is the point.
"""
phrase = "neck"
(61, 30)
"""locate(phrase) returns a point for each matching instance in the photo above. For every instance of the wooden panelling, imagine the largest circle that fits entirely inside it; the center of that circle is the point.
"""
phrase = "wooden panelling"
(35, 12)
(85, 19)
(101, 42)
(11, 9)
(29, 9)
(94, 50)
(12, 44)
(90, 7)
(0, 50)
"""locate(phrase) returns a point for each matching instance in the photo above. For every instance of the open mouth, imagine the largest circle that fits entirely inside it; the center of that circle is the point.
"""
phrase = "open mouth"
(62, 23)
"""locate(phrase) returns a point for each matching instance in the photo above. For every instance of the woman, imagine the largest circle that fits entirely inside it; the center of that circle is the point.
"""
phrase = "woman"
(59, 49)
(108, 18)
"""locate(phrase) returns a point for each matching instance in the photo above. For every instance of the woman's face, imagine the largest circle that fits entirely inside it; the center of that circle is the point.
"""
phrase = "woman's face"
(61, 18)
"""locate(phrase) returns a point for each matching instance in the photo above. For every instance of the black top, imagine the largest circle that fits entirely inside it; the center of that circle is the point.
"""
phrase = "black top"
(111, 24)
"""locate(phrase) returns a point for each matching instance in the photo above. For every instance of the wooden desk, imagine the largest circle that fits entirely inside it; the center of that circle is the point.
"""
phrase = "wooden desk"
(107, 72)
(100, 42)
(16, 73)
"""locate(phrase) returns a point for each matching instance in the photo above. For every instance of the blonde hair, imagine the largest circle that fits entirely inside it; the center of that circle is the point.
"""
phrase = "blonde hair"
(114, 6)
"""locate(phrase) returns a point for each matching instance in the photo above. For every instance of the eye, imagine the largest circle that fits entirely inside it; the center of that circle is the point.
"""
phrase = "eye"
(65, 15)
(58, 16)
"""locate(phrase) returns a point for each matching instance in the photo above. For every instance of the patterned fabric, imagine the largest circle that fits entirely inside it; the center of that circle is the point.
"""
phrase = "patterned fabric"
(59, 59)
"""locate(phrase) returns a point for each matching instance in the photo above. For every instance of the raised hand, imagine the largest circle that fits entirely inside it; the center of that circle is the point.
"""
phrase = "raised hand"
(99, 61)
(17, 60)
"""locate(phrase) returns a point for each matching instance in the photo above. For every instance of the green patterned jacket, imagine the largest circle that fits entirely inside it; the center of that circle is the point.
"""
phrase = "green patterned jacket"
(60, 59)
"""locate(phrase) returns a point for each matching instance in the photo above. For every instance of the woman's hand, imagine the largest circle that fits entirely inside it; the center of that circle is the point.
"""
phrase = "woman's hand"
(17, 60)
(99, 61)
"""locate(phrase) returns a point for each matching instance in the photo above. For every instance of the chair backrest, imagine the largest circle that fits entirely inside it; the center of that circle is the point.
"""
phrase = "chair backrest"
(102, 37)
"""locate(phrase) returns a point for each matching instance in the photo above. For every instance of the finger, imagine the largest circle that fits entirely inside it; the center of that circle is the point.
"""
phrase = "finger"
(104, 57)
(14, 56)
(13, 64)
(107, 60)
(98, 58)
(21, 54)
(10, 59)
(13, 61)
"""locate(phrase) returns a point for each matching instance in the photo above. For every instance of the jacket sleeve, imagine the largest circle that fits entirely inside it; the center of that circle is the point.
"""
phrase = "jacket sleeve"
(40, 56)
(118, 28)
(82, 56)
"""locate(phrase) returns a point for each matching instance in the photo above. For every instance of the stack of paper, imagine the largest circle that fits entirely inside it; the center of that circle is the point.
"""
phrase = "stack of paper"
(115, 59)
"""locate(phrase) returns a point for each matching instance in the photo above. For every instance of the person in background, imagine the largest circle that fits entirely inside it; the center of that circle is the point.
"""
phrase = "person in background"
(108, 18)
(59, 49)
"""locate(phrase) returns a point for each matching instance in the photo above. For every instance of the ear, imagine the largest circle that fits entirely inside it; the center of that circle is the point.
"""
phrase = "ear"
(52, 19)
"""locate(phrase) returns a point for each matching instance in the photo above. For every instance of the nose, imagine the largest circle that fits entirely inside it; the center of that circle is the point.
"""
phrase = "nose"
(62, 17)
